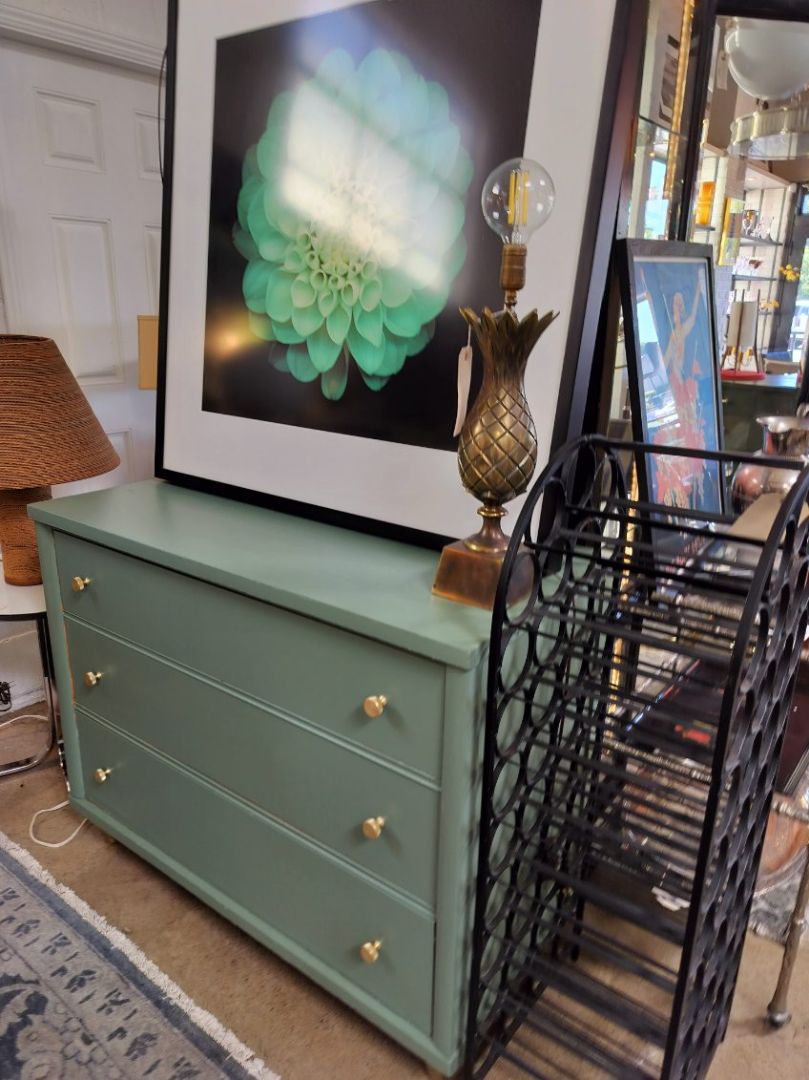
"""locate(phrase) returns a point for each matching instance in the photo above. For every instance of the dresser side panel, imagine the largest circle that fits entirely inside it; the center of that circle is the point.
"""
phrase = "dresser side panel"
(61, 660)
(464, 698)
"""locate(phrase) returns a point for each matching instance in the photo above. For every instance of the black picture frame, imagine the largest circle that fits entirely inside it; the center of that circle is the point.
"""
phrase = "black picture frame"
(607, 166)
(663, 403)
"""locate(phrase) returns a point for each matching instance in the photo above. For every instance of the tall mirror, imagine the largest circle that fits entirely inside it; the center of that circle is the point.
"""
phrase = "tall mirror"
(721, 158)
(749, 202)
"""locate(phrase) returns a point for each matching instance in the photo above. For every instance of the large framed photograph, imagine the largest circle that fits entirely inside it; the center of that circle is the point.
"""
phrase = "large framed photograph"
(322, 226)
(673, 366)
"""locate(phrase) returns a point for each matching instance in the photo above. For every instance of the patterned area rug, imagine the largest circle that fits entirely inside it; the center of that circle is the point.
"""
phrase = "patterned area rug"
(78, 1001)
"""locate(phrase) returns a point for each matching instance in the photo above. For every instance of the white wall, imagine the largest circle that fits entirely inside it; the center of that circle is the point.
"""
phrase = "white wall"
(20, 664)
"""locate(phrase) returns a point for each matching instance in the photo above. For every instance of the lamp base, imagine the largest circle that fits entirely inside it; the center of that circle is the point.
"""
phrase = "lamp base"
(18, 539)
(469, 570)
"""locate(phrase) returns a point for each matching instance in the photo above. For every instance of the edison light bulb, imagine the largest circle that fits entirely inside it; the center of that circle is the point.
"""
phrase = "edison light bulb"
(516, 199)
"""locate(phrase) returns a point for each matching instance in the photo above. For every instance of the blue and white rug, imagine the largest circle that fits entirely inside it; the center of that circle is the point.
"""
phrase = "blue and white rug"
(79, 1001)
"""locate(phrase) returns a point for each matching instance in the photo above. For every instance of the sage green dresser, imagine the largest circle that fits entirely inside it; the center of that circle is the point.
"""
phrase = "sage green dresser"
(279, 715)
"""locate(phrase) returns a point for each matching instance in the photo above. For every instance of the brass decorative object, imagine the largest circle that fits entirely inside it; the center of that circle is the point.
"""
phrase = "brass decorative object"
(369, 952)
(374, 705)
(92, 678)
(101, 775)
(372, 828)
(497, 452)
(79, 584)
(783, 437)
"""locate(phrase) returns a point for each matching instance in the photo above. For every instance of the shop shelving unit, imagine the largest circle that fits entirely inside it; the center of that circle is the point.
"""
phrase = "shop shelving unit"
(775, 204)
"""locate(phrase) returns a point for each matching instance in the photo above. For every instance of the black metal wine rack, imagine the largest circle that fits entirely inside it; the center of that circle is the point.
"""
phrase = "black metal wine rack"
(637, 700)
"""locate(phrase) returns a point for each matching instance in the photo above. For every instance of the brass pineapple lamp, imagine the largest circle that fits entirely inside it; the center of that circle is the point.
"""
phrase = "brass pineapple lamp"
(48, 435)
(497, 452)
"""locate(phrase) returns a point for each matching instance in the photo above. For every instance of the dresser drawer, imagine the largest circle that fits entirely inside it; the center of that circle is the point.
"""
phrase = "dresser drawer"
(304, 779)
(305, 667)
(258, 867)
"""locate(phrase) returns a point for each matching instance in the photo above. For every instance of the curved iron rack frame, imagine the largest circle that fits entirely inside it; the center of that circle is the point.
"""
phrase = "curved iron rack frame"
(637, 700)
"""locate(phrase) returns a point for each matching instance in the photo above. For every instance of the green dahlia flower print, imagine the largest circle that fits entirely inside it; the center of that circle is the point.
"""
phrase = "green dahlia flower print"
(350, 216)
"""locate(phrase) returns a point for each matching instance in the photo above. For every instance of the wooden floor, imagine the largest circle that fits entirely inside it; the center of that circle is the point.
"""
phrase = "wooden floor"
(300, 1031)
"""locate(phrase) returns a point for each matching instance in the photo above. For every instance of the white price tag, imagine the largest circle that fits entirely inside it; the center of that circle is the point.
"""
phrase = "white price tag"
(464, 382)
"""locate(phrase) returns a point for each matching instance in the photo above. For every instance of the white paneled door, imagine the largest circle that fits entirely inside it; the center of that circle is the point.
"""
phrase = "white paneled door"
(80, 200)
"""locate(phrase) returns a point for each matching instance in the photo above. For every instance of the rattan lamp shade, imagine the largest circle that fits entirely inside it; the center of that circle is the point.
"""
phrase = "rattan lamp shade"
(48, 435)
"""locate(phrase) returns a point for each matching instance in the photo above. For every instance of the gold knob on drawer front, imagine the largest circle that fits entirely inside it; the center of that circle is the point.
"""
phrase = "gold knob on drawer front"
(374, 705)
(92, 677)
(79, 584)
(369, 952)
(372, 827)
(101, 775)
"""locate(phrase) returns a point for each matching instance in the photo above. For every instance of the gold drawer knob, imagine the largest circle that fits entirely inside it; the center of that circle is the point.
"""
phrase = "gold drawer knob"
(101, 775)
(369, 952)
(92, 677)
(374, 705)
(79, 584)
(372, 827)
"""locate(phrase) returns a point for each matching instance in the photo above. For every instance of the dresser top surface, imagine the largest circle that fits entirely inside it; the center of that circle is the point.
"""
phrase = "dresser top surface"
(362, 583)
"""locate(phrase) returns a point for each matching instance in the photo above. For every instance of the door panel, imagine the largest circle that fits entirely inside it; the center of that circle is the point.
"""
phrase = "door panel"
(80, 208)
(87, 293)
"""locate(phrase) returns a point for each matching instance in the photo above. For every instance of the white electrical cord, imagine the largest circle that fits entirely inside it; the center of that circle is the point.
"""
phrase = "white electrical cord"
(50, 810)
(22, 716)
(16, 637)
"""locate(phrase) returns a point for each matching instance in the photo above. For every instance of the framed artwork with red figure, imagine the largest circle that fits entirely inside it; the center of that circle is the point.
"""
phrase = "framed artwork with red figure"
(673, 367)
